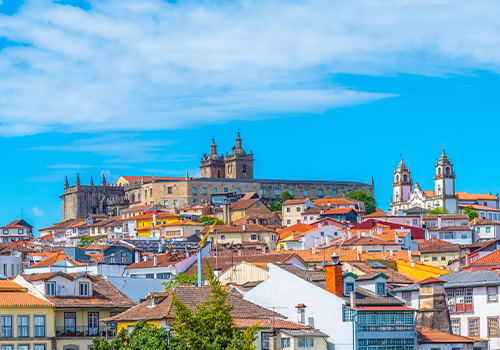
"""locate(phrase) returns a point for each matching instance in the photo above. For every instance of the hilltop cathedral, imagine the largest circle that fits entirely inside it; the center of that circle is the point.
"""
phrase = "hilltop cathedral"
(406, 196)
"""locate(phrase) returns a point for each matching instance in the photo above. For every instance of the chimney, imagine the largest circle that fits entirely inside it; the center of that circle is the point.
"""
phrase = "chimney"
(226, 212)
(327, 240)
(409, 254)
(316, 242)
(137, 256)
(359, 234)
(154, 219)
(155, 260)
(322, 239)
(243, 227)
(313, 250)
(379, 230)
(353, 300)
(349, 234)
(301, 313)
(334, 283)
(439, 221)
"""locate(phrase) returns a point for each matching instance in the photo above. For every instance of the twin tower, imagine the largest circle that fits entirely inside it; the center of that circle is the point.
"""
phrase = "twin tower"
(237, 165)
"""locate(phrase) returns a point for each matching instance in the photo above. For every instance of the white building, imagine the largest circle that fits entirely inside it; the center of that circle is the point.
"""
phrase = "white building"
(10, 265)
(292, 210)
(323, 300)
(473, 302)
(451, 228)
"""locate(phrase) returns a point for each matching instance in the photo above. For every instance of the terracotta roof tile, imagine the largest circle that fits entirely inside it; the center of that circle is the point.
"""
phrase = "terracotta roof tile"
(21, 299)
(464, 196)
(333, 201)
(295, 201)
(428, 335)
(268, 323)
(449, 228)
(491, 258)
(244, 203)
(338, 211)
(162, 260)
(56, 257)
(238, 228)
(435, 245)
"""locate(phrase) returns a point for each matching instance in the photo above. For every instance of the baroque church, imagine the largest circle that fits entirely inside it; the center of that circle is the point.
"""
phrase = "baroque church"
(406, 196)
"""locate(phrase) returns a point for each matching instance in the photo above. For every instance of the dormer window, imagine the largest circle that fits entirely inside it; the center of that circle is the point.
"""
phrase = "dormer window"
(151, 302)
(349, 287)
(84, 289)
(112, 259)
(380, 288)
(50, 289)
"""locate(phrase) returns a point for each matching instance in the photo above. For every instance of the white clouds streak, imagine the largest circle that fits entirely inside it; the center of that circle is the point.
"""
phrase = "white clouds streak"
(151, 65)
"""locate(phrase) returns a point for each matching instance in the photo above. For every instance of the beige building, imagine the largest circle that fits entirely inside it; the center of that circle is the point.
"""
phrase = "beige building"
(438, 253)
(251, 236)
(292, 210)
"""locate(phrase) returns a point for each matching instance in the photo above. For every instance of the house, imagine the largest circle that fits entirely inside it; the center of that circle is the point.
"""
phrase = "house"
(451, 228)
(431, 339)
(9, 266)
(416, 232)
(341, 214)
(436, 252)
(485, 229)
(372, 268)
(483, 211)
(313, 214)
(135, 210)
(151, 219)
(180, 229)
(339, 225)
(81, 301)
(292, 210)
(241, 269)
(339, 305)
(477, 250)
(487, 200)
(293, 229)
(271, 219)
(17, 230)
(53, 261)
(63, 225)
(195, 210)
(366, 244)
(251, 236)
(472, 300)
(247, 205)
(27, 319)
(378, 214)
(308, 239)
(490, 261)
(159, 311)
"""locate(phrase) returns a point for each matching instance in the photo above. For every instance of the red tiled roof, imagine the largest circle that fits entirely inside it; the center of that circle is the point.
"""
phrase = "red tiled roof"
(416, 233)
(430, 280)
(295, 201)
(237, 228)
(137, 208)
(464, 196)
(491, 258)
(333, 201)
(338, 211)
(385, 308)
(435, 245)
(149, 178)
(449, 228)
(22, 299)
(8, 285)
(428, 335)
(51, 260)
(162, 260)
(244, 203)
(445, 217)
(478, 207)
(268, 323)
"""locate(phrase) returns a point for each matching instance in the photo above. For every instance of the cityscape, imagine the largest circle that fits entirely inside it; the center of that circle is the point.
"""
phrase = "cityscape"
(249, 175)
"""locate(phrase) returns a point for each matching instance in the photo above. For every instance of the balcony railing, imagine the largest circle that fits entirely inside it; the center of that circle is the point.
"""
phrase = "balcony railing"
(84, 331)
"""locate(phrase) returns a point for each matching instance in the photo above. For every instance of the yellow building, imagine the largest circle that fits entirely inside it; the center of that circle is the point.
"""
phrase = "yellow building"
(148, 224)
(81, 301)
(27, 320)
(438, 253)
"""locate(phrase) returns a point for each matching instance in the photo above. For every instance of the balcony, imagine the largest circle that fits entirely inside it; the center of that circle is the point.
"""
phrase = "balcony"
(84, 332)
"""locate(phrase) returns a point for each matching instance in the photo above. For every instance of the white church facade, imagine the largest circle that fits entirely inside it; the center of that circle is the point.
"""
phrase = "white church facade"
(405, 195)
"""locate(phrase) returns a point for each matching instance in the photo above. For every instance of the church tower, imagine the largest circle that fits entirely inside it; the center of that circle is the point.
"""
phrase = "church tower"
(212, 165)
(239, 164)
(402, 184)
(444, 183)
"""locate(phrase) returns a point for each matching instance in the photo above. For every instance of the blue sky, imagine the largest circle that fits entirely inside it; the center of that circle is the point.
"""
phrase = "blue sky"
(328, 90)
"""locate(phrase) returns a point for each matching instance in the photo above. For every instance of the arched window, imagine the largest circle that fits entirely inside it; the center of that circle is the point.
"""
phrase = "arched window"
(244, 168)
(448, 170)
(439, 171)
(405, 178)
(397, 178)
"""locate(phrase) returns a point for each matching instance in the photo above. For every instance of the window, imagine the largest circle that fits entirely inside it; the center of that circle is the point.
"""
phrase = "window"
(334, 192)
(123, 259)
(50, 289)
(93, 322)
(20, 231)
(285, 343)
(194, 201)
(112, 259)
(214, 190)
(169, 190)
(165, 275)
(489, 217)
(165, 202)
(493, 327)
(222, 237)
(176, 202)
(232, 214)
(380, 288)
(244, 168)
(306, 342)
(288, 222)
(473, 327)
(194, 190)
(276, 192)
(479, 230)
(253, 237)
(130, 329)
(5, 231)
(291, 192)
(426, 258)
(306, 192)
(298, 209)
(492, 295)
(347, 314)
(464, 236)
(434, 258)
(349, 287)
(23, 347)
(257, 204)
(443, 258)
(204, 190)
(261, 192)
(7, 347)
(264, 340)
(488, 229)
(320, 193)
(39, 347)
(7, 327)
(288, 209)
(406, 296)
(23, 326)
(451, 257)
(39, 324)
(225, 189)
(84, 289)
(70, 321)
(455, 326)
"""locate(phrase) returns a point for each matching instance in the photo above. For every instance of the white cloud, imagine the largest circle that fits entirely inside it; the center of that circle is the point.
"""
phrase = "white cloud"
(152, 65)
(38, 212)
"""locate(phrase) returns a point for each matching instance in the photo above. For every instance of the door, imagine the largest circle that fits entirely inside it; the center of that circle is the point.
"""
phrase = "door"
(93, 323)
(70, 322)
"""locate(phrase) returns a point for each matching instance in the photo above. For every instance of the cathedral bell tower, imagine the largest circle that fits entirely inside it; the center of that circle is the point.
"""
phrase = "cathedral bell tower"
(239, 164)
(402, 184)
(444, 183)
(212, 165)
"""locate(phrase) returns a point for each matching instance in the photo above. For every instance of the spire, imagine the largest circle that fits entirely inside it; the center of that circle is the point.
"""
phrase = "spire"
(91, 181)
(78, 183)
(187, 175)
(238, 140)
(372, 183)
(66, 183)
(214, 146)
(103, 180)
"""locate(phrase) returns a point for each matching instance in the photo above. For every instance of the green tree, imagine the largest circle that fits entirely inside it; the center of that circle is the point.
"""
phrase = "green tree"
(370, 203)
(181, 279)
(209, 220)
(210, 326)
(438, 210)
(85, 241)
(277, 206)
(471, 212)
(144, 337)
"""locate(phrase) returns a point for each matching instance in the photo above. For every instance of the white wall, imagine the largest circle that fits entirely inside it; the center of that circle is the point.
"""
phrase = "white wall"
(137, 288)
(10, 265)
